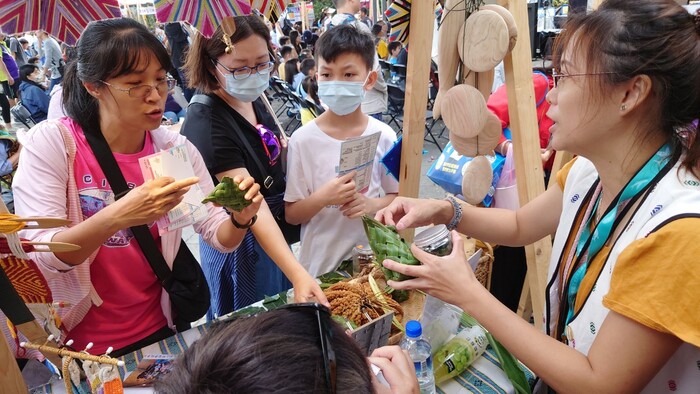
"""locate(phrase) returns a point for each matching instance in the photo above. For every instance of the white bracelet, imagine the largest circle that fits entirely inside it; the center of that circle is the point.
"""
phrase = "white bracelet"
(457, 217)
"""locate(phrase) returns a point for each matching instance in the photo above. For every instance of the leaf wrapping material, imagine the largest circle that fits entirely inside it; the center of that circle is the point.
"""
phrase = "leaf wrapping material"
(508, 363)
(229, 195)
(386, 243)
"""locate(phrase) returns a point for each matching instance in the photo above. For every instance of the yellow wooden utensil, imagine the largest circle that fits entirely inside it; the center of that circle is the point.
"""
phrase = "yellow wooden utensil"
(53, 246)
(41, 222)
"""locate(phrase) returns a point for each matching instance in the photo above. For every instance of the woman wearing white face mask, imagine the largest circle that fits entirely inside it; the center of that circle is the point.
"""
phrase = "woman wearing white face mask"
(230, 125)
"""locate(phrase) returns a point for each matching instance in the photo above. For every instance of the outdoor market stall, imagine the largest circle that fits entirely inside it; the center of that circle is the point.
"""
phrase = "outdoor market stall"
(527, 162)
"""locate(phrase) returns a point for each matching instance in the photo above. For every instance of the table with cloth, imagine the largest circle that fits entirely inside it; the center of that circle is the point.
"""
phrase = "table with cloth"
(483, 376)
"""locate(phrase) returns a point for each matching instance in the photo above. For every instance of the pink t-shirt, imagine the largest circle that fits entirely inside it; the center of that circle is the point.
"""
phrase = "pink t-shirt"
(121, 275)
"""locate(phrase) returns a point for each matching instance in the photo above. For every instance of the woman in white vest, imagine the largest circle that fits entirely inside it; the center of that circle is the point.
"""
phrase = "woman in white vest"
(622, 309)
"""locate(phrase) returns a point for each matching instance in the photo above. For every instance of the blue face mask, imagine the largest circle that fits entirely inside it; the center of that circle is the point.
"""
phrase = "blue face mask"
(342, 97)
(246, 90)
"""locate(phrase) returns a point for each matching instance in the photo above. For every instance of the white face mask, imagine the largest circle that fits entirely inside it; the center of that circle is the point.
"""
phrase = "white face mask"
(246, 90)
(342, 97)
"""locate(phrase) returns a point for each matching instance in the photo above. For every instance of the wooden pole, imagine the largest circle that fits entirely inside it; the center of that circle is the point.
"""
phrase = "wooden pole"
(303, 13)
(418, 72)
(526, 145)
(11, 379)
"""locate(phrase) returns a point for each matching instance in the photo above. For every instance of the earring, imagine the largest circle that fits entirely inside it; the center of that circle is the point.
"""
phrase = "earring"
(623, 107)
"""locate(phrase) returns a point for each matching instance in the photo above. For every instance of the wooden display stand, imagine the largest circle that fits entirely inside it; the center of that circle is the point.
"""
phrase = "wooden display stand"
(417, 74)
(523, 117)
(11, 379)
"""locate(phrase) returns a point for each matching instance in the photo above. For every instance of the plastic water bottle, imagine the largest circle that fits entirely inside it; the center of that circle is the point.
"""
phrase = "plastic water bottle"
(419, 350)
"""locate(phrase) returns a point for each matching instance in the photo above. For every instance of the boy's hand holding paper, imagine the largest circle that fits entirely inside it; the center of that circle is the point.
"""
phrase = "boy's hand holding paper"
(338, 191)
(357, 155)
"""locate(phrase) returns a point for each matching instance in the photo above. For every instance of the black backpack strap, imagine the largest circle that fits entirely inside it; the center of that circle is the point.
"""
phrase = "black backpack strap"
(209, 102)
(143, 236)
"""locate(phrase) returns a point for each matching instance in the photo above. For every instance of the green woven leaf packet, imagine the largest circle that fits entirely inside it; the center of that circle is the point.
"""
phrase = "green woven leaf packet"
(229, 195)
(386, 243)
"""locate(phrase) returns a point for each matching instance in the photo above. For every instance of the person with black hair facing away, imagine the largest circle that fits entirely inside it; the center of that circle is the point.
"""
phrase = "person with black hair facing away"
(114, 94)
(284, 41)
(237, 136)
(325, 203)
(379, 33)
(306, 69)
(314, 37)
(297, 26)
(312, 107)
(34, 96)
(286, 53)
(374, 102)
(179, 42)
(291, 69)
(364, 17)
(310, 352)
(305, 54)
(621, 301)
(17, 50)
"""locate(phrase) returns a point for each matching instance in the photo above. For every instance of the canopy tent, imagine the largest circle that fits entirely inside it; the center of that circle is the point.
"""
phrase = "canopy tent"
(204, 15)
(63, 19)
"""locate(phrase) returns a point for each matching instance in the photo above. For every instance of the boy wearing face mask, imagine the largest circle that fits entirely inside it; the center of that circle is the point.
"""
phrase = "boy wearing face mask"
(327, 205)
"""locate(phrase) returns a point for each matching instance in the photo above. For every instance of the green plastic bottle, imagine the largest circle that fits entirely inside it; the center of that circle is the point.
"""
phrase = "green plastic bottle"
(458, 353)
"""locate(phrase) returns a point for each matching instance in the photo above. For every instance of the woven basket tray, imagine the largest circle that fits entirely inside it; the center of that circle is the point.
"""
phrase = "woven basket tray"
(485, 265)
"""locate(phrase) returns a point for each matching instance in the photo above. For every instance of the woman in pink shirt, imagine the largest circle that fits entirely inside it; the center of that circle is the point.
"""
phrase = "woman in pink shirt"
(117, 86)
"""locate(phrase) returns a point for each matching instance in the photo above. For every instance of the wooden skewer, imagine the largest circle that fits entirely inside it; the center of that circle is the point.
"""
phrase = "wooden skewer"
(78, 355)
(53, 246)
(42, 222)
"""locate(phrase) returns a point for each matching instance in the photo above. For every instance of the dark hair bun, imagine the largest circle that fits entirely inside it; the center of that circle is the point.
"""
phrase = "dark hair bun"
(696, 19)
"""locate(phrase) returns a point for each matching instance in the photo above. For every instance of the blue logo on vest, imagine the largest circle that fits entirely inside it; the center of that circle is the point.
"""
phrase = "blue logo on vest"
(656, 210)
(574, 198)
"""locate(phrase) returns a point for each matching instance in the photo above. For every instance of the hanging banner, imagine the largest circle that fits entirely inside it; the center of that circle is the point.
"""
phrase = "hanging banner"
(147, 9)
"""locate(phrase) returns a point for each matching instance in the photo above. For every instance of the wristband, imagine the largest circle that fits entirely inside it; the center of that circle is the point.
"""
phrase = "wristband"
(457, 217)
(244, 226)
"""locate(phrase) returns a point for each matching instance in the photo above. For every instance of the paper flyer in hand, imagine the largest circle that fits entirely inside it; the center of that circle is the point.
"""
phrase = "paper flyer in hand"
(175, 163)
(357, 154)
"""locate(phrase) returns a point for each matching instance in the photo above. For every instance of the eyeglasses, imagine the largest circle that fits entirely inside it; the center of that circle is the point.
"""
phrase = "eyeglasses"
(325, 332)
(271, 143)
(142, 91)
(556, 76)
(244, 72)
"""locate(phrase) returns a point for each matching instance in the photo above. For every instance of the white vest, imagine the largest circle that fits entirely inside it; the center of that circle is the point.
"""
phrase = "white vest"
(677, 193)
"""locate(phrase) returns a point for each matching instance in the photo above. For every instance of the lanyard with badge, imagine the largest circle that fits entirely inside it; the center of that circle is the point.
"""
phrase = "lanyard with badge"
(590, 243)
